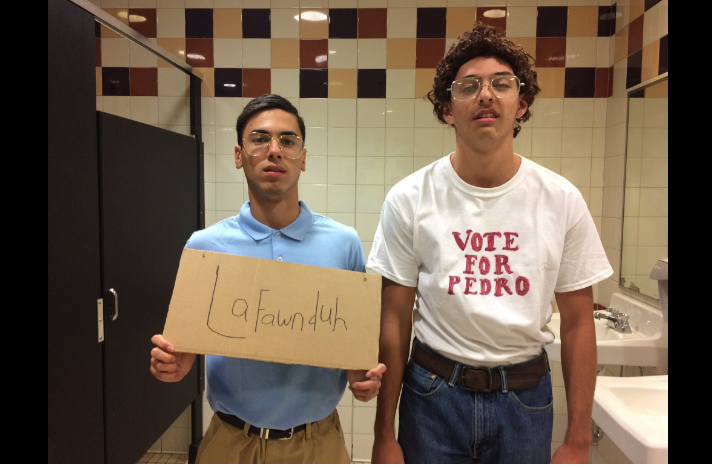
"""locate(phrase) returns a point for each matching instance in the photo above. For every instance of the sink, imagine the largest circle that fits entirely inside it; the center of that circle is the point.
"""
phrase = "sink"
(647, 346)
(633, 411)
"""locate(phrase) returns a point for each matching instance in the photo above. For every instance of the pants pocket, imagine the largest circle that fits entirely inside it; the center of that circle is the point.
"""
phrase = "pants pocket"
(421, 381)
(537, 399)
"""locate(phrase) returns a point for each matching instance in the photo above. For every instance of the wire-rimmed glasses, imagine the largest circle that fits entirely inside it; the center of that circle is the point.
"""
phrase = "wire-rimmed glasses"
(258, 143)
(502, 86)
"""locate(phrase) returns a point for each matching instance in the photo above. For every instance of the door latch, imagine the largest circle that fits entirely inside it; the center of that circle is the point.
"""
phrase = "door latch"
(100, 318)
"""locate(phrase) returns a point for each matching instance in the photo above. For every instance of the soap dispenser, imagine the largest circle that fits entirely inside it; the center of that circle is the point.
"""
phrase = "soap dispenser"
(660, 274)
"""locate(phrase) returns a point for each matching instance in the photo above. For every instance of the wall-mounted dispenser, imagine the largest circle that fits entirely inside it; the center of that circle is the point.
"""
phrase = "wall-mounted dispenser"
(660, 274)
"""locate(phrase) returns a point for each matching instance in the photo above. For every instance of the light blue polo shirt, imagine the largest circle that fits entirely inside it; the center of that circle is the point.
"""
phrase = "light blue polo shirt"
(266, 394)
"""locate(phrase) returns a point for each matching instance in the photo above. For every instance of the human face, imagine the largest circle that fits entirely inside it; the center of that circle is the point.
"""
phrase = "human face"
(271, 176)
(485, 120)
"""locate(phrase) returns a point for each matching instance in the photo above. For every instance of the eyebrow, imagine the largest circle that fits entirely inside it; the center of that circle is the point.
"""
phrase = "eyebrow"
(502, 73)
(288, 132)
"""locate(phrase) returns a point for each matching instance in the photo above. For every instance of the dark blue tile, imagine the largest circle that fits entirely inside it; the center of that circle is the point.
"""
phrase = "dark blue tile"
(634, 73)
(606, 21)
(663, 62)
(580, 83)
(228, 82)
(313, 83)
(431, 23)
(650, 4)
(97, 29)
(115, 81)
(198, 22)
(256, 23)
(372, 84)
(343, 23)
(551, 21)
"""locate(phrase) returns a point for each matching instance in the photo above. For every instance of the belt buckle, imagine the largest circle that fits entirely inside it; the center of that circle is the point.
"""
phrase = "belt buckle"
(264, 434)
(476, 368)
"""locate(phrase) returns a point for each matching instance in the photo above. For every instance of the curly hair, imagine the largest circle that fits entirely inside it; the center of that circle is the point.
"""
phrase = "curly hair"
(483, 41)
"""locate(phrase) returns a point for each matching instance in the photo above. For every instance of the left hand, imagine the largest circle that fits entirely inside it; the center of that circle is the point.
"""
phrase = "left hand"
(571, 454)
(365, 384)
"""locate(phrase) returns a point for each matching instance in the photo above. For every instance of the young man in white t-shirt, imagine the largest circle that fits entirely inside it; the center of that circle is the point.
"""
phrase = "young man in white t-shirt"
(479, 241)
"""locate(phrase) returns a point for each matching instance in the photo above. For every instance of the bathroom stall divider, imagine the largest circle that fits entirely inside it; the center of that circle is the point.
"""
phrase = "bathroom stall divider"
(123, 198)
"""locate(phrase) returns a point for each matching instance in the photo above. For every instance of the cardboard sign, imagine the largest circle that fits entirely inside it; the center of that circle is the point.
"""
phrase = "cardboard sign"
(274, 311)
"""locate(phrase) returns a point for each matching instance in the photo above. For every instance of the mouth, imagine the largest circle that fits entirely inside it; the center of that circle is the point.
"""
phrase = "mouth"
(274, 170)
(486, 115)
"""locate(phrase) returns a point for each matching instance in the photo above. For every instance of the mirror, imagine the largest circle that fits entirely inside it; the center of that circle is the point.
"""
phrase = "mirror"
(645, 214)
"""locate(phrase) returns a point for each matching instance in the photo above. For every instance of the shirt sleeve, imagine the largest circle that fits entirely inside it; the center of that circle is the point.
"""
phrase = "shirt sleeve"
(392, 254)
(584, 261)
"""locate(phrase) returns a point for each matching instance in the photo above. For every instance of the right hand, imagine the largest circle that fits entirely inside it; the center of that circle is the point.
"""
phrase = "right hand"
(166, 364)
(386, 450)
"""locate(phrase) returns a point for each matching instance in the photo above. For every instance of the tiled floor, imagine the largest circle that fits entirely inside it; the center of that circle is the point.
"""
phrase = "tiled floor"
(164, 458)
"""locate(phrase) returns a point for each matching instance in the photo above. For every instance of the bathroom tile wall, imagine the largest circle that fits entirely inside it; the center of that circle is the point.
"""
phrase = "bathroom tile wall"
(357, 70)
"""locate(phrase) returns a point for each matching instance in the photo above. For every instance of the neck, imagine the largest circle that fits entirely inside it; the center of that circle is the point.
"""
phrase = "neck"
(485, 167)
(275, 213)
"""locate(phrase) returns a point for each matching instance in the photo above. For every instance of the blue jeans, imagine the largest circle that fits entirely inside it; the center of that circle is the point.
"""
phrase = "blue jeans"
(442, 423)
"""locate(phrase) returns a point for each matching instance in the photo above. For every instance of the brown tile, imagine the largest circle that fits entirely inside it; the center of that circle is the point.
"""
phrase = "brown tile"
(603, 76)
(651, 60)
(636, 9)
(496, 17)
(285, 53)
(551, 81)
(207, 88)
(529, 44)
(550, 52)
(372, 23)
(311, 29)
(98, 81)
(97, 51)
(199, 52)
(121, 14)
(343, 83)
(582, 21)
(175, 46)
(635, 35)
(621, 47)
(143, 21)
(400, 53)
(313, 53)
(256, 81)
(227, 23)
(144, 81)
(659, 90)
(429, 52)
(424, 78)
(460, 20)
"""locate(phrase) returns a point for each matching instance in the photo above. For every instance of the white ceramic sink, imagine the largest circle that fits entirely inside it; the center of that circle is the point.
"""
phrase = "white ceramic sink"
(647, 346)
(633, 411)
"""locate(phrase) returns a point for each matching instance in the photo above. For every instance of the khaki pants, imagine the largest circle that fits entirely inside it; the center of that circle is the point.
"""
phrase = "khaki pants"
(321, 442)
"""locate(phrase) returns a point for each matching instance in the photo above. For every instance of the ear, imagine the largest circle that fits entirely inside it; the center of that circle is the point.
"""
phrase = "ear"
(447, 113)
(238, 157)
(304, 160)
(523, 106)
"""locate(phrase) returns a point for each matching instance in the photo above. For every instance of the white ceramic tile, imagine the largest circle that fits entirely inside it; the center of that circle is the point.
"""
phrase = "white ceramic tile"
(170, 22)
(342, 171)
(314, 196)
(614, 172)
(316, 141)
(99, 103)
(372, 53)
(636, 113)
(622, 14)
(366, 225)
(402, 22)
(228, 197)
(144, 109)
(313, 3)
(595, 201)
(139, 57)
(578, 112)
(598, 148)
(577, 143)
(369, 198)
(400, 112)
(523, 143)
(656, 112)
(654, 173)
(343, 53)
(227, 110)
(115, 52)
(397, 169)
(172, 82)
(142, 3)
(170, 3)
(117, 105)
(546, 142)
(341, 198)
(400, 83)
(449, 140)
(199, 3)
(399, 141)
(347, 219)
(435, 3)
(225, 170)
(521, 2)
(370, 171)
(371, 141)
(371, 113)
(560, 425)
(548, 113)
(521, 21)
(560, 400)
(632, 204)
(173, 110)
(655, 143)
(613, 202)
(615, 140)
(664, 15)
(420, 162)
(209, 192)
(600, 106)
(343, 3)
(209, 168)
(175, 440)
(620, 70)
(653, 202)
(553, 164)
(648, 256)
(314, 112)
(577, 171)
(342, 141)
(603, 52)
(225, 140)
(364, 418)
(424, 116)
(617, 110)
(209, 139)
(346, 418)
(342, 112)
(227, 53)
(285, 23)
(316, 172)
(597, 171)
(653, 232)
(285, 82)
(207, 111)
(651, 24)
(227, 3)
(553, 2)
(256, 53)
(362, 447)
(207, 410)
(428, 142)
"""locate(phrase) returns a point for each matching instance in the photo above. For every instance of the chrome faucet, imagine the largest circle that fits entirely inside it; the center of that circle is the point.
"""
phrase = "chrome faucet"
(614, 319)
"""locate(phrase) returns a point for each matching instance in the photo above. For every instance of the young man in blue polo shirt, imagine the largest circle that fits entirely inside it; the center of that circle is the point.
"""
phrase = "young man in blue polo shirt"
(295, 402)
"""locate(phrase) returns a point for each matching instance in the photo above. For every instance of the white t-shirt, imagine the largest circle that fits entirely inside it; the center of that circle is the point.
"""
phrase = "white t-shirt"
(486, 261)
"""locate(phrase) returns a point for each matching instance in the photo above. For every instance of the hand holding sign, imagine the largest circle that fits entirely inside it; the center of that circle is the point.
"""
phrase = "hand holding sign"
(365, 384)
(169, 365)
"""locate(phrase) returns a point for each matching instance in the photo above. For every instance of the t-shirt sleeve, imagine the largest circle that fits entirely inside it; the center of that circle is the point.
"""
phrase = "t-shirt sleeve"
(392, 254)
(583, 262)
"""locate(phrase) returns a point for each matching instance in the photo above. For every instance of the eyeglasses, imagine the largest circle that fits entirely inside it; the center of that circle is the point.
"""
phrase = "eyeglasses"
(257, 144)
(502, 86)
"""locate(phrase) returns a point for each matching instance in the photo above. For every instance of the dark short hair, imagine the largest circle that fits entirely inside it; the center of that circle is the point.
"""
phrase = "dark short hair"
(484, 41)
(263, 103)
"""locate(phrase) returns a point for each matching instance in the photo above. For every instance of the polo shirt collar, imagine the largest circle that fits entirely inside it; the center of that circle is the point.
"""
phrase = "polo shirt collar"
(258, 231)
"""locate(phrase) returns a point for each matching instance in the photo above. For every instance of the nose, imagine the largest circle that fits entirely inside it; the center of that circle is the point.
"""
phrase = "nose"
(486, 88)
(274, 149)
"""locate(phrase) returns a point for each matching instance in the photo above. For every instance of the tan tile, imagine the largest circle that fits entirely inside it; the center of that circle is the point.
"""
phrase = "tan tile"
(582, 21)
(460, 20)
(651, 59)
(636, 8)
(659, 90)
(310, 29)
(400, 53)
(529, 44)
(424, 78)
(174, 46)
(551, 82)
(343, 83)
(227, 23)
(207, 88)
(122, 14)
(285, 53)
(621, 45)
(98, 81)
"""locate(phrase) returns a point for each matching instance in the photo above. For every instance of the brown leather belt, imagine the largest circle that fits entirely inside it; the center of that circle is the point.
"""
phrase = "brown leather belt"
(483, 379)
